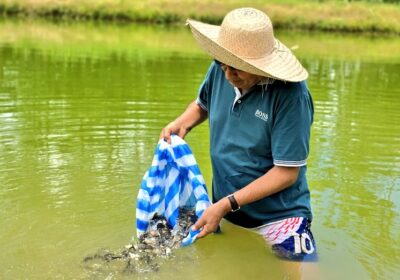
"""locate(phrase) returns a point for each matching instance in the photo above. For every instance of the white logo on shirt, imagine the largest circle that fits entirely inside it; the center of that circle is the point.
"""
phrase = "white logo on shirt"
(261, 115)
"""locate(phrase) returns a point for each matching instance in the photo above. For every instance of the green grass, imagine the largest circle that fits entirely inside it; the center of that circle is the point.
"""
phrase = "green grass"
(360, 16)
(76, 40)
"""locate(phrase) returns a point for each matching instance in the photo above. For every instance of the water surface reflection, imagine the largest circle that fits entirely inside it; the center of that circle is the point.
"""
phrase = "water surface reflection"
(78, 126)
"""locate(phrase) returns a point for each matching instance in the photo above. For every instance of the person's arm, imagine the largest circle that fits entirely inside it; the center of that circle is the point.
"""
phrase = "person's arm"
(275, 180)
(192, 116)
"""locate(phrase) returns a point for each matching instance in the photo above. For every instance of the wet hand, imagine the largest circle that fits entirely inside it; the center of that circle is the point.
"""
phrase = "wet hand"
(209, 221)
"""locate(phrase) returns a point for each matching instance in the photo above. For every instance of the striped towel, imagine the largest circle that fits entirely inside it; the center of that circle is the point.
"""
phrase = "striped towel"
(173, 181)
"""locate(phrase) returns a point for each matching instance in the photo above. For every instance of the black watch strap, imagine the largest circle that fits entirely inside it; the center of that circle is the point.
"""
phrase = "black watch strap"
(234, 205)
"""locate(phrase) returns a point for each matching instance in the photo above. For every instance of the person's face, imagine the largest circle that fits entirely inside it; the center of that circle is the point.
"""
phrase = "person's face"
(240, 79)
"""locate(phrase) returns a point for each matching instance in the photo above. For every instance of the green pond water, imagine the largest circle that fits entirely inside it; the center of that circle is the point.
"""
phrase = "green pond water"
(81, 109)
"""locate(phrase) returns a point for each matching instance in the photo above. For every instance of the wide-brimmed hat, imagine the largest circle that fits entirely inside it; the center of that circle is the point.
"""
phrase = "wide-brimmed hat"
(245, 40)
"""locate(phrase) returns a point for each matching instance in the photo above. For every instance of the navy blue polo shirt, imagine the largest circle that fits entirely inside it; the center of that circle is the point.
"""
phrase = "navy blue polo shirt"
(249, 134)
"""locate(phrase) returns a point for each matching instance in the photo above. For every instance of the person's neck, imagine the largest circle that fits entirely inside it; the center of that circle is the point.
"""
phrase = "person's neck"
(263, 80)
(243, 91)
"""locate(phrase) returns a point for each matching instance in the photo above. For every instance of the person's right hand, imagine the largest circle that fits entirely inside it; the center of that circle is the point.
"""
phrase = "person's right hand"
(173, 128)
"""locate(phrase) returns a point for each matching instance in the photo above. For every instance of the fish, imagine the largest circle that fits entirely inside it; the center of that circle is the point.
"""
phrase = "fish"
(143, 254)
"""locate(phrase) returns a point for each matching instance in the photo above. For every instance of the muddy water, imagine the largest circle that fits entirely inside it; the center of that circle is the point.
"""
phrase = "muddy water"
(81, 107)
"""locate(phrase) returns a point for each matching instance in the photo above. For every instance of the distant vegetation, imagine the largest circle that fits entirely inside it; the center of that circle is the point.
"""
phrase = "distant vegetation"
(375, 16)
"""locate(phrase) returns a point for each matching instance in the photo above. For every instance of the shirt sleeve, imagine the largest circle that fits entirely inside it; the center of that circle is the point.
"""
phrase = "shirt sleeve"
(292, 124)
(205, 90)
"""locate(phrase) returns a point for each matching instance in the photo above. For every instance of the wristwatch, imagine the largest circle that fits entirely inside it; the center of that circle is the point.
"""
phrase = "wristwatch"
(234, 205)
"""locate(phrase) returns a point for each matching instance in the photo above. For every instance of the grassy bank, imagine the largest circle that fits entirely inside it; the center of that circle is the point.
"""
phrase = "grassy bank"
(75, 40)
(289, 14)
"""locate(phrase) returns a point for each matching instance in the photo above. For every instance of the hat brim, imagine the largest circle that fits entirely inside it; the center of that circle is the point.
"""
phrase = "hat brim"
(280, 64)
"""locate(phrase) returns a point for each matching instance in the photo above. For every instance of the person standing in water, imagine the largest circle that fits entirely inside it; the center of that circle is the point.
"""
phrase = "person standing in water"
(260, 112)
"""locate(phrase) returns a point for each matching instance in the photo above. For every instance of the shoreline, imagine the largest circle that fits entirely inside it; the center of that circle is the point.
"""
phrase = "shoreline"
(102, 39)
(330, 16)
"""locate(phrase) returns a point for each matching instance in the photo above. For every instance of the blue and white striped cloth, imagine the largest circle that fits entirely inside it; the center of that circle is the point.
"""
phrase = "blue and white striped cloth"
(174, 180)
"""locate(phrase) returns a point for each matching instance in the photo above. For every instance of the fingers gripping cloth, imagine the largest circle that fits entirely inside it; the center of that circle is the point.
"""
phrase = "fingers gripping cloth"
(173, 181)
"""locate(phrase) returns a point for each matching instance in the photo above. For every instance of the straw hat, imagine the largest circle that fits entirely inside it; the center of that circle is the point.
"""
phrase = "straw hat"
(245, 40)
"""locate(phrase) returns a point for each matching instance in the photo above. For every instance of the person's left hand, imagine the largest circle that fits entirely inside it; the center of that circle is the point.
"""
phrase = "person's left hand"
(209, 221)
